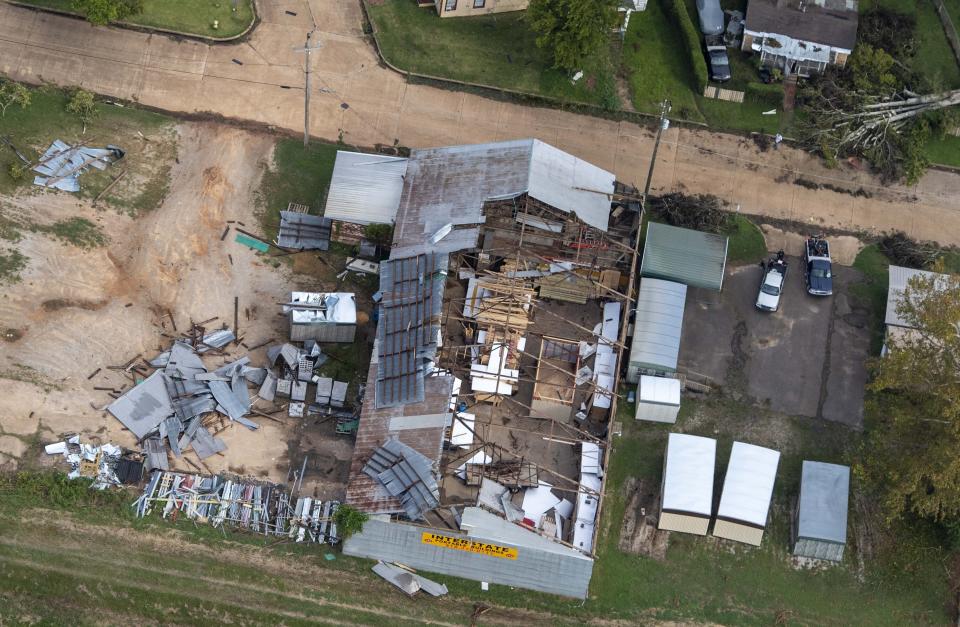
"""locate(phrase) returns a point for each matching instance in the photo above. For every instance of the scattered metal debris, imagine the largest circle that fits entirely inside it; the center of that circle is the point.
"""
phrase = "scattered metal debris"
(107, 464)
(407, 581)
(257, 507)
(62, 164)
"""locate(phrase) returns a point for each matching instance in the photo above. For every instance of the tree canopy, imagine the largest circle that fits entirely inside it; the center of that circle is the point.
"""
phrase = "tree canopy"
(13, 93)
(910, 454)
(573, 30)
(873, 107)
(102, 12)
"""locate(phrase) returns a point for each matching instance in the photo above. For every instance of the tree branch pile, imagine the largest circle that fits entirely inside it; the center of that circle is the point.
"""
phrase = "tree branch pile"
(701, 212)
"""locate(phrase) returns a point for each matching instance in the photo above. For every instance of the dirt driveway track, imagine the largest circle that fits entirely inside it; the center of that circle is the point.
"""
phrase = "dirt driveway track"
(372, 104)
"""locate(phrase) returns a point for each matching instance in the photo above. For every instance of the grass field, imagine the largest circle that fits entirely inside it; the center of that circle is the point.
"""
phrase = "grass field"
(193, 17)
(945, 151)
(497, 50)
(296, 175)
(31, 131)
(746, 244)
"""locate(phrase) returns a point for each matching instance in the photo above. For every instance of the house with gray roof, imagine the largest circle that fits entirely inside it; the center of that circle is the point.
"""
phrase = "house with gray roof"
(801, 37)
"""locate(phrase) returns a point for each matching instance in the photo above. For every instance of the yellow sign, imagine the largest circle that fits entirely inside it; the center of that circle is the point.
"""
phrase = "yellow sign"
(462, 544)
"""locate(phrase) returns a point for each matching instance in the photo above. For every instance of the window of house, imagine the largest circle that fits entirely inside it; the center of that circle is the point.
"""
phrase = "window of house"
(451, 5)
(478, 4)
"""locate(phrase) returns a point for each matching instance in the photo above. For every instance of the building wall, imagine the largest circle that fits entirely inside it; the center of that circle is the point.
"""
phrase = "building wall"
(738, 532)
(566, 573)
(343, 333)
(657, 412)
(684, 523)
(818, 549)
(465, 8)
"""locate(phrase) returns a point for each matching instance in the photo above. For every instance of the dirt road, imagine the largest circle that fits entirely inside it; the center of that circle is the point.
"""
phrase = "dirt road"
(370, 104)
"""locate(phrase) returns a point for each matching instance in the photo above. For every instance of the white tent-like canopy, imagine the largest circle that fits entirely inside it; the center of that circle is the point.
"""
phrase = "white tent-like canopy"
(747, 489)
(687, 490)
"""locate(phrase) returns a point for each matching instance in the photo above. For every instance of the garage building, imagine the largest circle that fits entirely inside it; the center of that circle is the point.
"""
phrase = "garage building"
(747, 489)
(687, 488)
(821, 522)
(657, 327)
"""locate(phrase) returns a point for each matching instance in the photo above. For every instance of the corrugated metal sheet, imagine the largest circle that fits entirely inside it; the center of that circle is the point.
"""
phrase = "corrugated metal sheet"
(405, 474)
(657, 327)
(899, 278)
(570, 184)
(824, 493)
(304, 232)
(412, 291)
(364, 188)
(686, 256)
(541, 564)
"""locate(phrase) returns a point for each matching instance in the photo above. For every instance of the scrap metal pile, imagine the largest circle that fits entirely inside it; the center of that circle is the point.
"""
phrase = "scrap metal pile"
(61, 165)
(172, 407)
(257, 507)
(107, 464)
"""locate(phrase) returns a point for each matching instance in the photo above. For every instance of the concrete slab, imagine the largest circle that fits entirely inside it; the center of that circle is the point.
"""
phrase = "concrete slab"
(807, 359)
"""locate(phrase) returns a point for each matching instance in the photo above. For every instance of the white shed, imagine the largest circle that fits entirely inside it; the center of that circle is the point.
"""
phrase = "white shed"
(821, 525)
(747, 490)
(686, 500)
(658, 399)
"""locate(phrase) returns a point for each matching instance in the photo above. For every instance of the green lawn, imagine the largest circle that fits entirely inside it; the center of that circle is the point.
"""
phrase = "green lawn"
(148, 163)
(497, 50)
(194, 17)
(296, 175)
(945, 150)
(656, 65)
(746, 244)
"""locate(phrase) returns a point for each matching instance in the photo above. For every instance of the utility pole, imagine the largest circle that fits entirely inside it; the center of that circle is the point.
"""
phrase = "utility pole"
(665, 107)
(306, 92)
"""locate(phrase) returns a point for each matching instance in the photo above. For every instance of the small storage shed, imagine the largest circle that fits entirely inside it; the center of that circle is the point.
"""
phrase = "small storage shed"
(330, 317)
(658, 399)
(694, 258)
(686, 494)
(821, 521)
(747, 489)
(656, 327)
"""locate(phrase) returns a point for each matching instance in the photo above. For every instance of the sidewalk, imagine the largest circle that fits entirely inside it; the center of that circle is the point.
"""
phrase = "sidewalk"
(372, 104)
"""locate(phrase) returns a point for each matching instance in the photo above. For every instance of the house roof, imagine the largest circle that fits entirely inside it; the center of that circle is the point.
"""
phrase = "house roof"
(899, 278)
(824, 493)
(694, 258)
(828, 22)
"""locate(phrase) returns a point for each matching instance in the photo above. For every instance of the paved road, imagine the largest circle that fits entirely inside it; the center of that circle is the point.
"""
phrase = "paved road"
(371, 104)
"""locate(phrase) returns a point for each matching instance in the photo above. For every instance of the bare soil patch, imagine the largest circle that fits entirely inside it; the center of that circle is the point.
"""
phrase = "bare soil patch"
(639, 534)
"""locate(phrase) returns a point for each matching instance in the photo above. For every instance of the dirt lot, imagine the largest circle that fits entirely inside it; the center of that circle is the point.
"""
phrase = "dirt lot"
(77, 310)
(807, 359)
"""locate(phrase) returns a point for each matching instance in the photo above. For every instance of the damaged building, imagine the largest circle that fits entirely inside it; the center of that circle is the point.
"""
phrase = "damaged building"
(492, 387)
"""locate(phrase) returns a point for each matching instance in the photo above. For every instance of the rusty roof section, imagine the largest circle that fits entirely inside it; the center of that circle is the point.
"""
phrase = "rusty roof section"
(377, 425)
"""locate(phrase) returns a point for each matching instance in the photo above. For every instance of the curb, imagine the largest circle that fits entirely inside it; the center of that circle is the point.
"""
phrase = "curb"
(150, 29)
(520, 97)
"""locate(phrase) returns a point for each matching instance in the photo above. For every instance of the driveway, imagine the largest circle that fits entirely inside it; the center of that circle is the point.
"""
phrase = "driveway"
(371, 104)
(807, 359)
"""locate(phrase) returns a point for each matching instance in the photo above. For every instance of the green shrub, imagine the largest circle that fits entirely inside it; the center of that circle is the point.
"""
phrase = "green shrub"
(677, 11)
(767, 94)
(349, 521)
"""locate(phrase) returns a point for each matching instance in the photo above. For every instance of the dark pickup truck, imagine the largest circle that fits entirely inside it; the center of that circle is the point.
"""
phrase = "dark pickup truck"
(817, 269)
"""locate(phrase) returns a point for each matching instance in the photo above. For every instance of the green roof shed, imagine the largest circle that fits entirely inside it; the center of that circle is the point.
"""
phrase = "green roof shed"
(694, 258)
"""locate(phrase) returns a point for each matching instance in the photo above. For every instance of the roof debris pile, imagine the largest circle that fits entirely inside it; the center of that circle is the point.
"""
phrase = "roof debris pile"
(302, 231)
(259, 508)
(61, 165)
(407, 475)
(172, 407)
(107, 464)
